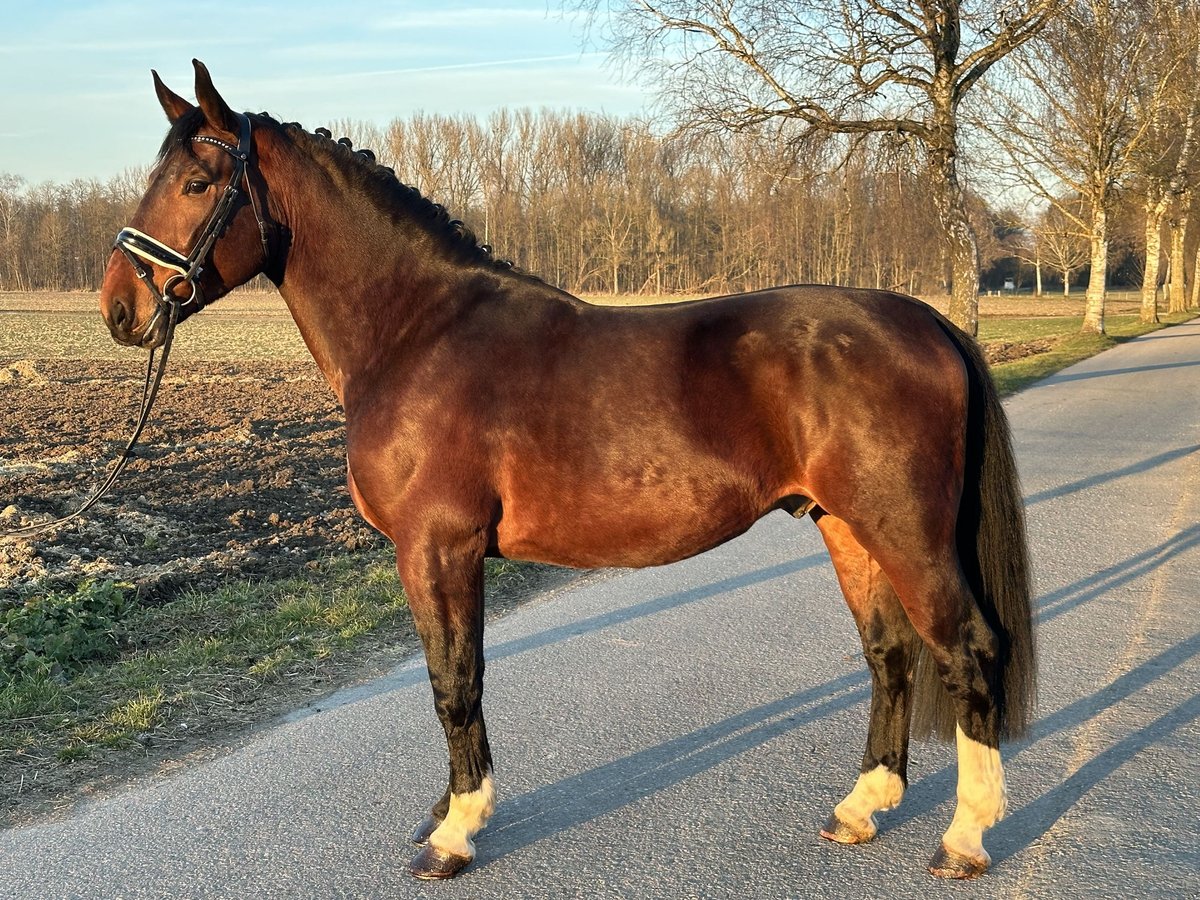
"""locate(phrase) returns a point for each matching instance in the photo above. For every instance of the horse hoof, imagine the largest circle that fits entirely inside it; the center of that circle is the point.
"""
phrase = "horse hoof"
(431, 864)
(421, 833)
(947, 864)
(842, 833)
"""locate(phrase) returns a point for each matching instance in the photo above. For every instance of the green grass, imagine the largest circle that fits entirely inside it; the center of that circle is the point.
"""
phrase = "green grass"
(205, 658)
(1070, 346)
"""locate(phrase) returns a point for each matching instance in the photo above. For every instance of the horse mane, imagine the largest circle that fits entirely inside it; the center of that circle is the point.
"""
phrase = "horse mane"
(378, 183)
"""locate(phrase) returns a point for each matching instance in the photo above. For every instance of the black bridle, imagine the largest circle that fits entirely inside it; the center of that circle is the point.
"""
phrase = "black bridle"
(138, 246)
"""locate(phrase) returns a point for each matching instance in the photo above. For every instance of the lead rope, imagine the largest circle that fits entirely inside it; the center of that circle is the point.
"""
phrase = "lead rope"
(133, 244)
(149, 393)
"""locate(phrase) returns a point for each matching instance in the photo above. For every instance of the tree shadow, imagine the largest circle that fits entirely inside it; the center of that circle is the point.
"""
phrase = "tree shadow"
(651, 607)
(414, 674)
(1093, 480)
(1033, 820)
(1025, 825)
(1084, 376)
(1085, 590)
(571, 802)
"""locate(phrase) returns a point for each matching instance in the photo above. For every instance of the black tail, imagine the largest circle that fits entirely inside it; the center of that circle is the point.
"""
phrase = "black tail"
(995, 559)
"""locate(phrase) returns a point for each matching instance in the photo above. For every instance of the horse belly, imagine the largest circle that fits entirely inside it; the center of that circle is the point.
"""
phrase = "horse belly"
(599, 525)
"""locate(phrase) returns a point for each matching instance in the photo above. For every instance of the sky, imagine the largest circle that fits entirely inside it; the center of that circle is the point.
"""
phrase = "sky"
(78, 102)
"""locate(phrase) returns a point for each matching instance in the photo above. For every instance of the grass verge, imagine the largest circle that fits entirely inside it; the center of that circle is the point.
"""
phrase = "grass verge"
(1067, 345)
(132, 683)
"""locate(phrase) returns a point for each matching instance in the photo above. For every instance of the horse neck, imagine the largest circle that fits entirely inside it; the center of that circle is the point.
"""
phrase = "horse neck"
(362, 285)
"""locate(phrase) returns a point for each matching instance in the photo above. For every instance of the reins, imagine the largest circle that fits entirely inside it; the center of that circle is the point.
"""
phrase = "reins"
(137, 246)
(149, 393)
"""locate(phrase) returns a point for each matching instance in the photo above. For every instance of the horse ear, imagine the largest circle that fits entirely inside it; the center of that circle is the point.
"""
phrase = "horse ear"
(173, 105)
(216, 111)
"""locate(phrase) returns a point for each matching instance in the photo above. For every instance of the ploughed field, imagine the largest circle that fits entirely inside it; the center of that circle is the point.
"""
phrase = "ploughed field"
(241, 469)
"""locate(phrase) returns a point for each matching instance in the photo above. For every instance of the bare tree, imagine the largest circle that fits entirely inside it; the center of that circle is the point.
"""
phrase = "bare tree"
(1060, 242)
(10, 202)
(853, 68)
(1074, 114)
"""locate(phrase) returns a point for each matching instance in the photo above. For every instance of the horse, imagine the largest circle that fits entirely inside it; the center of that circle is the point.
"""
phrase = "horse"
(491, 414)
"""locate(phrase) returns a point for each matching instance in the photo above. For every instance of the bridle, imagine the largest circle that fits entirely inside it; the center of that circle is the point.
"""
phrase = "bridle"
(138, 246)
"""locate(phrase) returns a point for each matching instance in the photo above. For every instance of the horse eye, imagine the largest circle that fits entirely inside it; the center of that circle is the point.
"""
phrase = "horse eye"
(196, 187)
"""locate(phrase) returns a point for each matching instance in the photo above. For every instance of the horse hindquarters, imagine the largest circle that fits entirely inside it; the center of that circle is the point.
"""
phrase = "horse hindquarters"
(964, 590)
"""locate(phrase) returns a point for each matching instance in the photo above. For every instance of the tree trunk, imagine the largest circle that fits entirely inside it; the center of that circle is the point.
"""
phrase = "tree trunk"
(963, 251)
(1195, 302)
(1038, 275)
(1178, 294)
(1093, 313)
(1155, 210)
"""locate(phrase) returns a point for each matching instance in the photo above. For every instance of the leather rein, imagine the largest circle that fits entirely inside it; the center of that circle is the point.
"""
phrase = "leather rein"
(138, 246)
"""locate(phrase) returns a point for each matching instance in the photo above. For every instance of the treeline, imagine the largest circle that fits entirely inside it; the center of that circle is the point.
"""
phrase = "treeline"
(590, 202)
(58, 236)
(593, 203)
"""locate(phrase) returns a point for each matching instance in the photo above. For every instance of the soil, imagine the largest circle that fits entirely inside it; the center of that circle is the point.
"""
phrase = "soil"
(241, 469)
(997, 352)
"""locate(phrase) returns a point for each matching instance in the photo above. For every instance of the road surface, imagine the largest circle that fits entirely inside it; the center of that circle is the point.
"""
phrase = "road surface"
(683, 732)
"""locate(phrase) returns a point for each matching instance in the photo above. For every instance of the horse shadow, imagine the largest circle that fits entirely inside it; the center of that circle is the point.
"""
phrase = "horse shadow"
(554, 808)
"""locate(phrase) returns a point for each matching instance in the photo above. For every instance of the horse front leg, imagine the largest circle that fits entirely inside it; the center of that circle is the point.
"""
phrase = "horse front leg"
(444, 582)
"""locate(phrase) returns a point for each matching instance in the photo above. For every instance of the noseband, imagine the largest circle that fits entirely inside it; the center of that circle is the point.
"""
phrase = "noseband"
(137, 245)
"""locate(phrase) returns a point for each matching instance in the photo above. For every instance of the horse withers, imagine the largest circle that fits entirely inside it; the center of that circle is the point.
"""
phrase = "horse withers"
(490, 414)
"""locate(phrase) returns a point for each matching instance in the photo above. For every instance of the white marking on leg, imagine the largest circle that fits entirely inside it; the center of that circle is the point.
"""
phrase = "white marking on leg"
(982, 798)
(468, 814)
(874, 791)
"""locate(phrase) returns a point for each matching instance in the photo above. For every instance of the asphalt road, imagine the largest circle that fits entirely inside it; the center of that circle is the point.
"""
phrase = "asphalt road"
(684, 731)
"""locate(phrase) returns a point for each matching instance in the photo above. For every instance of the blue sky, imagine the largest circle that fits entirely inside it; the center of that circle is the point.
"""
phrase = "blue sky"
(77, 100)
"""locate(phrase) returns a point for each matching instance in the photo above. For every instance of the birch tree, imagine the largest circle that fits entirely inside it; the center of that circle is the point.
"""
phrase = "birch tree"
(1073, 115)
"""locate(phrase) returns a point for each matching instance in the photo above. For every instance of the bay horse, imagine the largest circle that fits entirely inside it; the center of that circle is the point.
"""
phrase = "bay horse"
(490, 414)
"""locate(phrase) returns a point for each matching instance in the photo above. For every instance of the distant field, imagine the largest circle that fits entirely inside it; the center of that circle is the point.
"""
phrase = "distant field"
(1002, 306)
(68, 325)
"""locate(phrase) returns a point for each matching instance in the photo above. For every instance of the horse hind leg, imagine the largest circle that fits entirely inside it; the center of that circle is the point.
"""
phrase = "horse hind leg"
(890, 645)
(964, 652)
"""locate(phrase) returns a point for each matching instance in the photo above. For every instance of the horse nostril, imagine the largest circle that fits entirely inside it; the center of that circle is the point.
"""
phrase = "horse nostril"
(120, 315)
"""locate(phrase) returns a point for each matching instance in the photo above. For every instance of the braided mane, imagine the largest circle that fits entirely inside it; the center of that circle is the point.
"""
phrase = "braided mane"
(378, 182)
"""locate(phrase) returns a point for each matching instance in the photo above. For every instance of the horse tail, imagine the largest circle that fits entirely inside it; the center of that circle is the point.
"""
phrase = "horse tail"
(995, 559)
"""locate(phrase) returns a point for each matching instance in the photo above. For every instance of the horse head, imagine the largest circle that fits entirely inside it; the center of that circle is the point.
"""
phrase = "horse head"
(198, 231)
